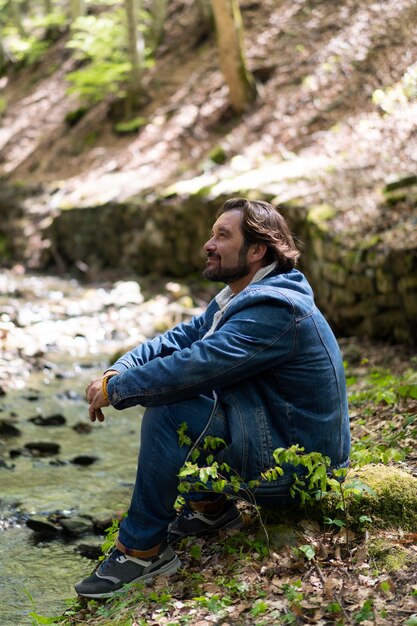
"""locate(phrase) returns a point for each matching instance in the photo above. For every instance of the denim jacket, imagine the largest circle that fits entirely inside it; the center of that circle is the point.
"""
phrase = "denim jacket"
(272, 363)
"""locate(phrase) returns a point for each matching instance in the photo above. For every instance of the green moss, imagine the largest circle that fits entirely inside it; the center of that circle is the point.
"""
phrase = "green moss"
(394, 503)
(321, 213)
(131, 126)
(217, 155)
(4, 247)
(73, 117)
(283, 535)
(407, 181)
(388, 556)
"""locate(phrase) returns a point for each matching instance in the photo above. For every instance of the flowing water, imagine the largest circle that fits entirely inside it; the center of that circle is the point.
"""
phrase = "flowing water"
(55, 336)
(37, 575)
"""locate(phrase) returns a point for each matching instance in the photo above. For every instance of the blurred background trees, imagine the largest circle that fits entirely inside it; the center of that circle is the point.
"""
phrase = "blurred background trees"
(114, 42)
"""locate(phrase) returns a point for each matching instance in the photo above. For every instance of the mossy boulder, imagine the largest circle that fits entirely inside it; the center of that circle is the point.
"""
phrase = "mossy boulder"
(392, 503)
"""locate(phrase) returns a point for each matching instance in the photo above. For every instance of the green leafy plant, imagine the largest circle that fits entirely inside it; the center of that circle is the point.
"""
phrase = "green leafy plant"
(29, 48)
(111, 534)
(98, 41)
(131, 126)
(366, 613)
(385, 387)
(307, 551)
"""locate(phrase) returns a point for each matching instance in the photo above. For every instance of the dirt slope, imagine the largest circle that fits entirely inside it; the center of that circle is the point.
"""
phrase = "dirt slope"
(313, 134)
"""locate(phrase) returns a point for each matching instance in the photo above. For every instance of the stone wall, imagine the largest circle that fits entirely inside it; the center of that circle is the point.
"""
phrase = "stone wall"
(365, 287)
(163, 238)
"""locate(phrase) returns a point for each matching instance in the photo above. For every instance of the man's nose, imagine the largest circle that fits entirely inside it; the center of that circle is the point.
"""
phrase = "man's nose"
(209, 245)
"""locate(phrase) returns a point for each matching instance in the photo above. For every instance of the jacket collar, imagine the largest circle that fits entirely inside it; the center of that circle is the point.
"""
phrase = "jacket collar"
(223, 298)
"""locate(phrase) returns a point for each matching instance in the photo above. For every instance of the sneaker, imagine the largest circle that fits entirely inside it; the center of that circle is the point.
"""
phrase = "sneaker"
(193, 523)
(119, 570)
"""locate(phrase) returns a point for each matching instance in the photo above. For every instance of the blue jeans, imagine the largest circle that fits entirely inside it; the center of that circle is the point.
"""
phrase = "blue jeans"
(160, 459)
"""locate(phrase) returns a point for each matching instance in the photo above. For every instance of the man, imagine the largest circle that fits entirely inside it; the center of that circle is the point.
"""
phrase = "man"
(260, 369)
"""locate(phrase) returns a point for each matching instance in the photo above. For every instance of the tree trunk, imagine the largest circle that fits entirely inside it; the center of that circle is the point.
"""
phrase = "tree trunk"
(158, 13)
(229, 28)
(3, 63)
(77, 8)
(16, 17)
(136, 51)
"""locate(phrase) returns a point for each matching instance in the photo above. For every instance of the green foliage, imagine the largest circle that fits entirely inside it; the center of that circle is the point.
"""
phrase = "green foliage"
(366, 613)
(94, 82)
(36, 619)
(111, 534)
(217, 155)
(366, 450)
(27, 50)
(387, 556)
(307, 551)
(259, 608)
(241, 544)
(30, 48)
(4, 247)
(183, 438)
(382, 386)
(195, 552)
(73, 117)
(293, 592)
(99, 38)
(100, 42)
(132, 126)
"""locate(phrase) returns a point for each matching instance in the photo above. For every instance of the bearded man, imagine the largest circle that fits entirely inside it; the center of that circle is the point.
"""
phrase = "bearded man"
(260, 369)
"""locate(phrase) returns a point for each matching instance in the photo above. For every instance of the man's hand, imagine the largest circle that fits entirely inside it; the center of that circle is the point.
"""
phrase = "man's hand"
(96, 405)
(95, 397)
(92, 388)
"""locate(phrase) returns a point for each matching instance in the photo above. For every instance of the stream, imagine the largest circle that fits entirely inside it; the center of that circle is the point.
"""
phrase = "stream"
(55, 335)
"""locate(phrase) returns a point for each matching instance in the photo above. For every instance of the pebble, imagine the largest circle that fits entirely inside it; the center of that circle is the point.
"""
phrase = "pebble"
(40, 524)
(84, 459)
(8, 429)
(51, 420)
(43, 448)
(76, 526)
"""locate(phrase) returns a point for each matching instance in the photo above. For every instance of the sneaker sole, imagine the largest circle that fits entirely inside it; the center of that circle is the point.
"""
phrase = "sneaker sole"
(234, 524)
(166, 570)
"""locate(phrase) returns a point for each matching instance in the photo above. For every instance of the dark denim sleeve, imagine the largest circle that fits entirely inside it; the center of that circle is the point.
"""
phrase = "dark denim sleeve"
(249, 341)
(181, 336)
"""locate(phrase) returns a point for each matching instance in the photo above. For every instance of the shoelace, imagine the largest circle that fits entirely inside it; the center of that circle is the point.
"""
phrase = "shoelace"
(111, 559)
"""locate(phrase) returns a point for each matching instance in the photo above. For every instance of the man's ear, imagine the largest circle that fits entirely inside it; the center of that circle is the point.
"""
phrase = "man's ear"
(257, 252)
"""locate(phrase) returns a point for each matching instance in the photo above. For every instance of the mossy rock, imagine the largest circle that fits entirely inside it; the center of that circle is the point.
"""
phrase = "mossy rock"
(218, 155)
(389, 556)
(392, 502)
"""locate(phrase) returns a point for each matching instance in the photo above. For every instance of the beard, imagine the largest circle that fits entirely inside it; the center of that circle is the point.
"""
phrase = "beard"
(228, 274)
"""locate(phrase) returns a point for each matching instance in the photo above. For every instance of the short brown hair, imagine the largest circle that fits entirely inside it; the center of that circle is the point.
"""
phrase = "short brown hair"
(262, 223)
